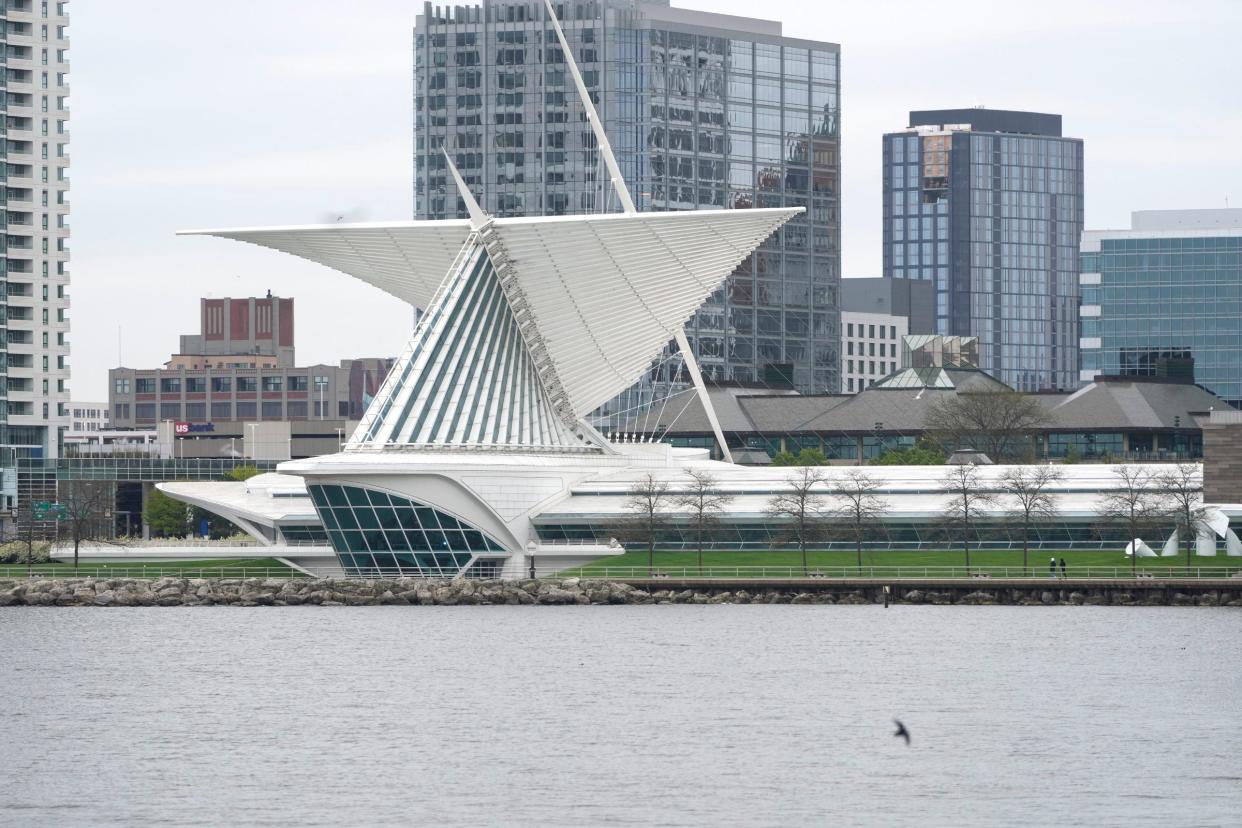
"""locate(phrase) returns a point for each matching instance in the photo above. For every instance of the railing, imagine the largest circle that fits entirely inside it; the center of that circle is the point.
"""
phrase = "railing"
(775, 574)
(903, 572)
(139, 571)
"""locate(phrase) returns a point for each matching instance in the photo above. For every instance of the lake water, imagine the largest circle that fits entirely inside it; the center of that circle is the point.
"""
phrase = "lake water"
(627, 715)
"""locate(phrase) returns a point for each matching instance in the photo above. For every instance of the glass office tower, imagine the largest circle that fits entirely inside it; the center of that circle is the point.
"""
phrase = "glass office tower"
(703, 110)
(988, 204)
(1165, 298)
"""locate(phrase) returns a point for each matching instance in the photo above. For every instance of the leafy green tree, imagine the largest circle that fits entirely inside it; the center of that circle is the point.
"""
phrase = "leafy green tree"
(924, 453)
(241, 473)
(165, 515)
(805, 457)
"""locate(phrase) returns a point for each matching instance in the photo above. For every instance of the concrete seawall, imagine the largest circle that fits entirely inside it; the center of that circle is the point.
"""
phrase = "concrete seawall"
(188, 592)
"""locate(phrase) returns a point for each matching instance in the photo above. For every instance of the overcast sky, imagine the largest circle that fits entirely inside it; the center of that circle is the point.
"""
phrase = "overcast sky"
(250, 112)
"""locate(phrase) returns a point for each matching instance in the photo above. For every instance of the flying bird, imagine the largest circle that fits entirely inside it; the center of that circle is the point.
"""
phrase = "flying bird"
(901, 731)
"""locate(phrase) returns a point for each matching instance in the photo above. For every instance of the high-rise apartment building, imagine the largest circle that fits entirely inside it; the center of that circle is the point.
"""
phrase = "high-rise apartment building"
(702, 110)
(988, 205)
(34, 373)
(1164, 298)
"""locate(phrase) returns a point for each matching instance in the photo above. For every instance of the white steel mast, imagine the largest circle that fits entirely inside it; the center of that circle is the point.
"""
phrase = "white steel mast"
(627, 205)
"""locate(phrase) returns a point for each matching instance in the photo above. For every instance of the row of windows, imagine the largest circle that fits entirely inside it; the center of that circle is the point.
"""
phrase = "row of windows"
(198, 411)
(745, 535)
(199, 385)
(871, 367)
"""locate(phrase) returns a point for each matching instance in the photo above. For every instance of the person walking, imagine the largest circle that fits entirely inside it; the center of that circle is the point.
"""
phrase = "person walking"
(1064, 572)
(1052, 567)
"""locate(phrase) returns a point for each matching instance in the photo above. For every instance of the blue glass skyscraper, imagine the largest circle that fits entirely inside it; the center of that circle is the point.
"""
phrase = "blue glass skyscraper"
(1163, 293)
(988, 205)
(702, 109)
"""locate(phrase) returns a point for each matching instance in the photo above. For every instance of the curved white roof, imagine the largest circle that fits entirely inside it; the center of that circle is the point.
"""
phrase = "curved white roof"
(600, 295)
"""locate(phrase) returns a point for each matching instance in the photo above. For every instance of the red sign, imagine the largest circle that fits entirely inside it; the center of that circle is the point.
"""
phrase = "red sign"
(180, 428)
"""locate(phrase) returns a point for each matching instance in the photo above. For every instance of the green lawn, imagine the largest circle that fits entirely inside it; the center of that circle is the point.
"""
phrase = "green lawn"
(228, 568)
(838, 559)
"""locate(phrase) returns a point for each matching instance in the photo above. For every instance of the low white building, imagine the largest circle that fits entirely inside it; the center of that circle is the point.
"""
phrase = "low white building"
(870, 348)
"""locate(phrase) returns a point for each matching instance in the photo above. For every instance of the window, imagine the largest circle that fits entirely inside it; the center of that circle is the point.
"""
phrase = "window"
(273, 383)
(196, 411)
(297, 383)
(273, 410)
(372, 530)
(247, 385)
(221, 411)
(144, 411)
(170, 411)
(892, 331)
(170, 385)
(246, 410)
(122, 385)
(195, 385)
(221, 385)
(296, 410)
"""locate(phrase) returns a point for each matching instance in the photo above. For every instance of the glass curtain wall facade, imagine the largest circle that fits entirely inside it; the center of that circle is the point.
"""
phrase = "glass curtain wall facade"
(726, 113)
(988, 205)
(375, 532)
(1151, 303)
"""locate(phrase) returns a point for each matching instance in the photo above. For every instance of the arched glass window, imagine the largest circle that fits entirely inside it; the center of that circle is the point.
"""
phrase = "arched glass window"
(375, 532)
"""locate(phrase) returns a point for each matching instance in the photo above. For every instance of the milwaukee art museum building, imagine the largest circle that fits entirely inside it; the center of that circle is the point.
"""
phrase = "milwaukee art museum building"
(475, 456)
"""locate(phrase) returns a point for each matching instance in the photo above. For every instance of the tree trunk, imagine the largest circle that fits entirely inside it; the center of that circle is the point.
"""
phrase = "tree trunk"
(1026, 547)
(966, 544)
(858, 543)
(75, 553)
(802, 543)
(700, 549)
(1190, 541)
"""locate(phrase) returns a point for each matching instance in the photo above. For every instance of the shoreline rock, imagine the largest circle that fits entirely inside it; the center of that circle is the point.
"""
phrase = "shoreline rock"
(334, 592)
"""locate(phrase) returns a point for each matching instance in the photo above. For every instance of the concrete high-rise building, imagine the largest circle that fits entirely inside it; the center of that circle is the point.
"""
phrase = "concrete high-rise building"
(1164, 298)
(876, 315)
(34, 374)
(988, 205)
(703, 110)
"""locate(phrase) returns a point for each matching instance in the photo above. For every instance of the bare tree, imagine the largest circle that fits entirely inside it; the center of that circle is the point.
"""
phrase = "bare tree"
(648, 499)
(994, 422)
(967, 502)
(706, 503)
(1182, 487)
(1029, 486)
(801, 507)
(85, 510)
(860, 509)
(1130, 503)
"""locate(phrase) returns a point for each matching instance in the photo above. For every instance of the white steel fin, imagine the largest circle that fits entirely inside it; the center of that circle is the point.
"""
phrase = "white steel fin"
(605, 148)
(478, 218)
